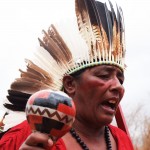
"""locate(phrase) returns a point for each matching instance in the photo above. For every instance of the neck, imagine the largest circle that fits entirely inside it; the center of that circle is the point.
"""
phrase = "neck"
(88, 132)
(95, 145)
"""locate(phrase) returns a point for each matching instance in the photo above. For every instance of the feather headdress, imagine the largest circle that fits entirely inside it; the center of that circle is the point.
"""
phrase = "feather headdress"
(96, 37)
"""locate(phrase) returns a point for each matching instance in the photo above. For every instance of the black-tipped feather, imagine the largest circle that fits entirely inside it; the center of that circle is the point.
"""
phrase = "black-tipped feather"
(109, 24)
(17, 100)
(15, 107)
(18, 93)
(56, 46)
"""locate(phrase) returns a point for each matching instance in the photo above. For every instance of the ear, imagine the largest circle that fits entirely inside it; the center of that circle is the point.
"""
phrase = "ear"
(69, 84)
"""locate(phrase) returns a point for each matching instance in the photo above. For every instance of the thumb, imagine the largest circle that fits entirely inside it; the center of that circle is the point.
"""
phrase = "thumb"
(50, 142)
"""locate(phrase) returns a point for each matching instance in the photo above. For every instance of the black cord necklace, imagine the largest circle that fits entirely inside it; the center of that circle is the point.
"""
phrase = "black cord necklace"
(84, 146)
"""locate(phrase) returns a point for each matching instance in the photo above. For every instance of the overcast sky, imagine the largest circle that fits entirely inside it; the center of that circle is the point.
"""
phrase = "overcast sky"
(138, 54)
(21, 22)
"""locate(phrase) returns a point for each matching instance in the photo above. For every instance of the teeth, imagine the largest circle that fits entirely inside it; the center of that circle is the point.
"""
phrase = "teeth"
(112, 101)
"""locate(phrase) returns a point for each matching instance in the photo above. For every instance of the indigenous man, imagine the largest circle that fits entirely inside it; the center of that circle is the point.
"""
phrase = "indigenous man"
(93, 78)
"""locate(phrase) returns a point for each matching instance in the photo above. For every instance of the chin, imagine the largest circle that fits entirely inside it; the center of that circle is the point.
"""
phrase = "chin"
(107, 120)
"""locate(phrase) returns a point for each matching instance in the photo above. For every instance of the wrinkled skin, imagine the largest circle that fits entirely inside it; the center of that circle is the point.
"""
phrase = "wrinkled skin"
(95, 87)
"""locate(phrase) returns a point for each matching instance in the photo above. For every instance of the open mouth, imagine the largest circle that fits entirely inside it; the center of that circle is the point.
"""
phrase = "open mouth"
(111, 104)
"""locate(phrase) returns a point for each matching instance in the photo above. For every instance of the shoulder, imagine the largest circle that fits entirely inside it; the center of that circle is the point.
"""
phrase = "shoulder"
(20, 128)
(117, 131)
(122, 139)
(15, 136)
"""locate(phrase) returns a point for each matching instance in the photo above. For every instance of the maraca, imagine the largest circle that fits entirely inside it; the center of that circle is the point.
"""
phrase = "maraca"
(50, 112)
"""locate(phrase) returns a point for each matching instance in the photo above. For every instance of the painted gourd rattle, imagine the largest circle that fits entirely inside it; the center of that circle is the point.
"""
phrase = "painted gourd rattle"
(50, 112)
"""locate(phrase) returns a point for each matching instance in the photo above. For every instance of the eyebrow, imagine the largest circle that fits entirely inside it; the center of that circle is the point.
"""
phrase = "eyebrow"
(111, 69)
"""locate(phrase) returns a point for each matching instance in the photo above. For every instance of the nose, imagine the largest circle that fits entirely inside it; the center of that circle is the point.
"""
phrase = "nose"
(116, 87)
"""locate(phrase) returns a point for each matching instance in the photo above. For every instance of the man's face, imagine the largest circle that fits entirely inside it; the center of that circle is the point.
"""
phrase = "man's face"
(98, 93)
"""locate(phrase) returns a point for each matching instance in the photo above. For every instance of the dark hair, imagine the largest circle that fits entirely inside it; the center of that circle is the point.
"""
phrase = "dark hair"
(78, 73)
(75, 75)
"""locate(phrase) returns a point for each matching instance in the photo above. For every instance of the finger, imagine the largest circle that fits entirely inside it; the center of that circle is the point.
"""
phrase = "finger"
(37, 137)
(50, 142)
(27, 147)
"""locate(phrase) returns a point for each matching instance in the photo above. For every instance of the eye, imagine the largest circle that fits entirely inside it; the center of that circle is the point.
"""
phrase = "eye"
(121, 81)
(121, 78)
(104, 76)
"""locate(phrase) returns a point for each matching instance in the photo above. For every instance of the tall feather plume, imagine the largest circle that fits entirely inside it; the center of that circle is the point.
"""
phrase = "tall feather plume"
(85, 26)
(110, 32)
(114, 35)
(119, 45)
(103, 25)
(89, 22)
(98, 30)
(121, 31)
(56, 46)
(118, 48)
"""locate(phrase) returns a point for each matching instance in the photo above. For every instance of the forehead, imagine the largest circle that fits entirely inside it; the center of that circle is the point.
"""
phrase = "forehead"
(109, 68)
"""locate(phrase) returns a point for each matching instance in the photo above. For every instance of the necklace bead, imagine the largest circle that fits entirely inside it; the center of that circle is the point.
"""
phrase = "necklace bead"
(84, 146)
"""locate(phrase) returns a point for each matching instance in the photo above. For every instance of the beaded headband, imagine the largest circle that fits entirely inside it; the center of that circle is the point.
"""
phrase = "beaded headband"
(95, 37)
